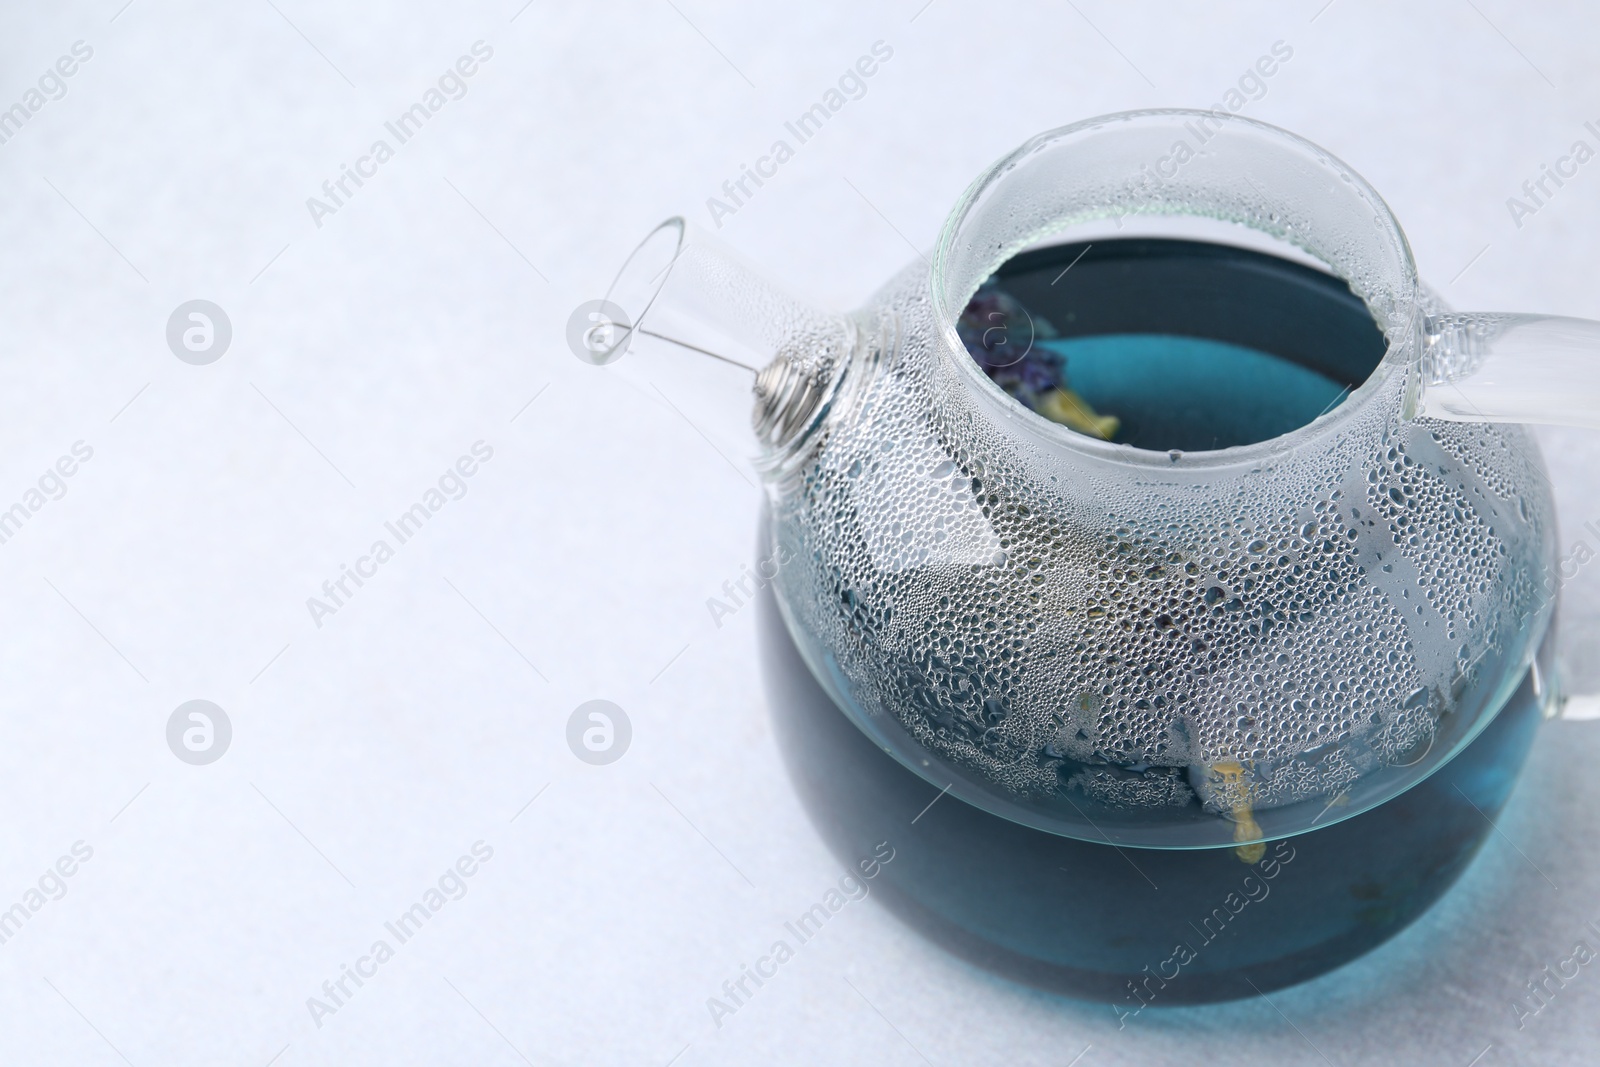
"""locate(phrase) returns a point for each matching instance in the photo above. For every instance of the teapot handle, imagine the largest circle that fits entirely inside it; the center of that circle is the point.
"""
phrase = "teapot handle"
(1515, 368)
(1511, 368)
(1579, 706)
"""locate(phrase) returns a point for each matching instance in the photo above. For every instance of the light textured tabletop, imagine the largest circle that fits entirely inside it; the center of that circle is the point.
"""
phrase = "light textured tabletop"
(408, 327)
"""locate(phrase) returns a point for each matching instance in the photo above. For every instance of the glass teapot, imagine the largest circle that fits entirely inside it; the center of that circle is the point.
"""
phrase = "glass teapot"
(1130, 643)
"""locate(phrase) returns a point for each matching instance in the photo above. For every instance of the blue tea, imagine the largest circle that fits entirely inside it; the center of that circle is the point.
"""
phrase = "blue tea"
(1165, 344)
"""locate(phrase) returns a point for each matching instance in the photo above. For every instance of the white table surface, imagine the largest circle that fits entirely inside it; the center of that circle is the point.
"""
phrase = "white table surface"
(371, 351)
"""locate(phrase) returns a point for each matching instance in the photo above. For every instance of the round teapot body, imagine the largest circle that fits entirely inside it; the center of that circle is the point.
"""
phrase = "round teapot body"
(1152, 649)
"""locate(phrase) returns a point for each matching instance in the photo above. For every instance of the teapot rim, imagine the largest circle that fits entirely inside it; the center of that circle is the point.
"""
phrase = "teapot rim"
(1402, 354)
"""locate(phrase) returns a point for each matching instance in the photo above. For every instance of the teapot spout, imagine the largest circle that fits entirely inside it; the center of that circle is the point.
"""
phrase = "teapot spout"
(682, 287)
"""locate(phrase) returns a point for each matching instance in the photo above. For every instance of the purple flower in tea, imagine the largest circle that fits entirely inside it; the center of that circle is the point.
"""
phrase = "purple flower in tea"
(1001, 335)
